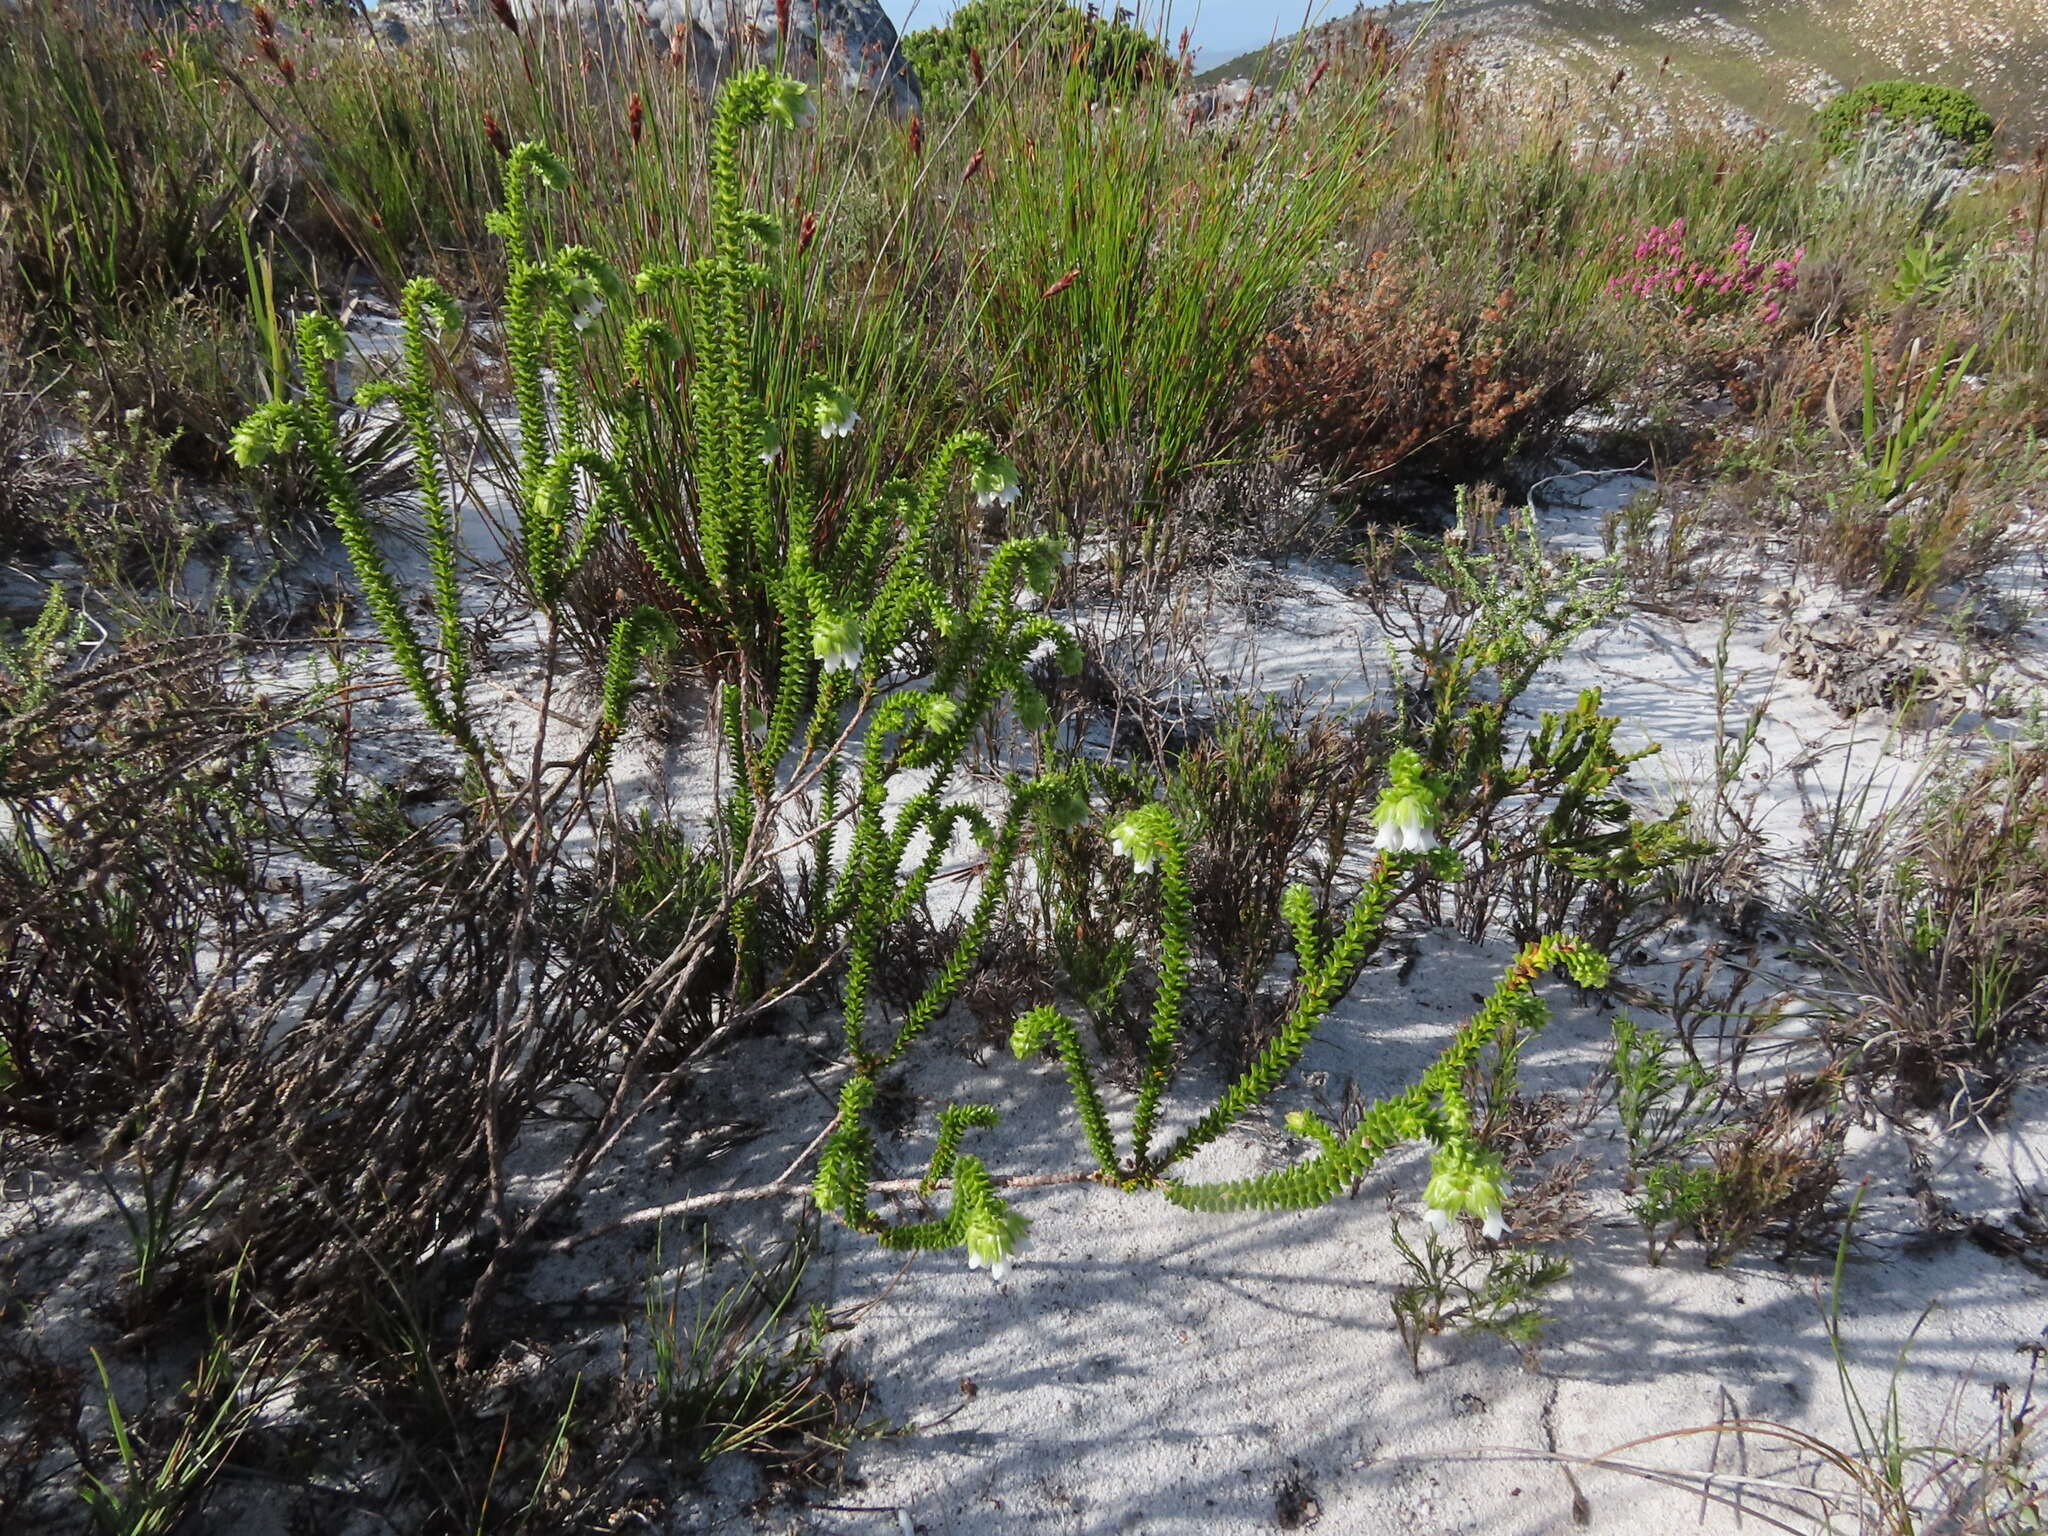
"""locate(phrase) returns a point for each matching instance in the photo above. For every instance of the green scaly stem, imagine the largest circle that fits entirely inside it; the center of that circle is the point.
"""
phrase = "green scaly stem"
(1048, 1023)
(1433, 1109)
(955, 1120)
(321, 346)
(995, 885)
(1323, 981)
(645, 630)
(423, 303)
(1175, 946)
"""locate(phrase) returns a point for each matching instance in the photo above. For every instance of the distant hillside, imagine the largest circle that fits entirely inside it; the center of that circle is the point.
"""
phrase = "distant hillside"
(1772, 60)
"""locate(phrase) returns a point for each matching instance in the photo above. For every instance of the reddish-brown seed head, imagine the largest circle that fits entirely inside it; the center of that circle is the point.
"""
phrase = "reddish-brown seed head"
(1062, 283)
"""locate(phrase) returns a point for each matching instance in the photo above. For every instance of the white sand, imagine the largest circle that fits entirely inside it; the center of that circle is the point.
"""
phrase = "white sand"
(1148, 1369)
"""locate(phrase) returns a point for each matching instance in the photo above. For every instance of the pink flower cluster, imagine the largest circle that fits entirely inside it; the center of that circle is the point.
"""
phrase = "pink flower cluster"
(1660, 270)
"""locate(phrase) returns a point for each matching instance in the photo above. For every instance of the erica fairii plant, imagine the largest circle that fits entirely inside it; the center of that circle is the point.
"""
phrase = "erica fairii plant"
(846, 664)
(311, 421)
(1151, 839)
(1466, 1178)
(822, 613)
(850, 666)
(551, 301)
(852, 684)
(548, 304)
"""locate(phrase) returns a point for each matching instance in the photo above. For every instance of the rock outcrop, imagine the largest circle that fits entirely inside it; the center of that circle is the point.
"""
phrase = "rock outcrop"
(848, 44)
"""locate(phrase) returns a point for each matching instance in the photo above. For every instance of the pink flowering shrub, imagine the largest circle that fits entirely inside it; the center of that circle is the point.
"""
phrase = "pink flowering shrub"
(1736, 282)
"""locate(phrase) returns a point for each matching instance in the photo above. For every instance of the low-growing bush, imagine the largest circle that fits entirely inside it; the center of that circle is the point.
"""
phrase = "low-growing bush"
(1662, 268)
(1953, 114)
(1892, 458)
(1374, 375)
(1936, 912)
(1548, 835)
(1132, 264)
(1771, 1171)
(1267, 793)
(1009, 37)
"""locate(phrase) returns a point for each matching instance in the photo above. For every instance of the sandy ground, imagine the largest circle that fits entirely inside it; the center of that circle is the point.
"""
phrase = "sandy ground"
(1148, 1369)
(1145, 1368)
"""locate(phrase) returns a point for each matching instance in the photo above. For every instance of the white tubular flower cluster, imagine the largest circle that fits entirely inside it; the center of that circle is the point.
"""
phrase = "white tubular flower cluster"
(836, 642)
(994, 482)
(831, 411)
(994, 1238)
(1406, 815)
(1464, 1182)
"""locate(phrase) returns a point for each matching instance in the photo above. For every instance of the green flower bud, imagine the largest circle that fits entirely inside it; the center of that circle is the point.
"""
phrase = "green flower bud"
(269, 429)
(1041, 566)
(789, 103)
(1030, 1033)
(251, 442)
(1065, 801)
(1587, 967)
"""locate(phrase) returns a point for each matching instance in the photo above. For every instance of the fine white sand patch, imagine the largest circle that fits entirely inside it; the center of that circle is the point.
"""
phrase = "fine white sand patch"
(1149, 1369)
(1146, 1368)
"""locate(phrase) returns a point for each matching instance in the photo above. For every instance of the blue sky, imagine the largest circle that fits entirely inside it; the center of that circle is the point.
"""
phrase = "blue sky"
(1222, 28)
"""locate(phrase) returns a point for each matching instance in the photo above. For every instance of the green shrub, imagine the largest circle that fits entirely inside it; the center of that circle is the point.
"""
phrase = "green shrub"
(815, 607)
(952, 59)
(1953, 114)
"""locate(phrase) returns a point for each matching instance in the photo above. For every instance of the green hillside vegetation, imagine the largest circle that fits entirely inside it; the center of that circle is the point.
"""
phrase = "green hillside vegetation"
(1037, 35)
(1772, 60)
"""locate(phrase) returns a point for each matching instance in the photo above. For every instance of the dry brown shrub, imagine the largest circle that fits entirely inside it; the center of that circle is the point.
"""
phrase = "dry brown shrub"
(125, 861)
(1774, 1172)
(1377, 377)
(1938, 916)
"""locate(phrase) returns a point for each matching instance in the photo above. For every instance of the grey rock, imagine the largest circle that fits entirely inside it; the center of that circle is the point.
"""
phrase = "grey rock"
(1232, 102)
(849, 44)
